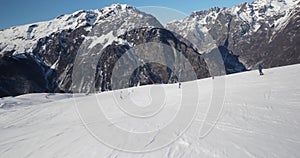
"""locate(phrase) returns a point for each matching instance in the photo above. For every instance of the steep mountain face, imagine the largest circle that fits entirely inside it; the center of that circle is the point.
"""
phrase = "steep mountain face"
(158, 55)
(262, 32)
(23, 74)
(91, 42)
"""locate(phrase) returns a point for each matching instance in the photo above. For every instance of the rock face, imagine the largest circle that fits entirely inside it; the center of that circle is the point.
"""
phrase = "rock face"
(158, 55)
(23, 74)
(120, 46)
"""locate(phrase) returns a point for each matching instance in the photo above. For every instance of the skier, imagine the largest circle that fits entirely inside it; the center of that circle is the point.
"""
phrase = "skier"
(179, 84)
(260, 70)
(121, 95)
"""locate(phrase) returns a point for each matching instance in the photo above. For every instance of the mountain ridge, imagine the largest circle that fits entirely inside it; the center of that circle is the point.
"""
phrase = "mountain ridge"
(243, 27)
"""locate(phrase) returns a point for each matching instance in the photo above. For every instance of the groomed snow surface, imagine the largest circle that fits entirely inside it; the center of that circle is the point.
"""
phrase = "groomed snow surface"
(260, 118)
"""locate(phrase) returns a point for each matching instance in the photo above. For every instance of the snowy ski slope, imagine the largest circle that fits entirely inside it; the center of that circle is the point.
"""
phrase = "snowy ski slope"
(260, 118)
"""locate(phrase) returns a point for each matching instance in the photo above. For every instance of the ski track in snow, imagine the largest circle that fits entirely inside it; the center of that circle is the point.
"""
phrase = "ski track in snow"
(260, 118)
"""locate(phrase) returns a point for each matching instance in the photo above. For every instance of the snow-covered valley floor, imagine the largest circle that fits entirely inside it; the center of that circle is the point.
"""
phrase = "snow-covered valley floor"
(260, 118)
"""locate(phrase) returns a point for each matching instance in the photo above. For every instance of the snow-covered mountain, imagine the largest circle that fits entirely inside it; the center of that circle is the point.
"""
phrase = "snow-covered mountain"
(23, 39)
(98, 36)
(261, 32)
(260, 118)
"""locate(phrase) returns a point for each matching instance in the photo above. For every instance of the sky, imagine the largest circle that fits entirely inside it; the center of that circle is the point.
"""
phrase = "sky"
(20, 12)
